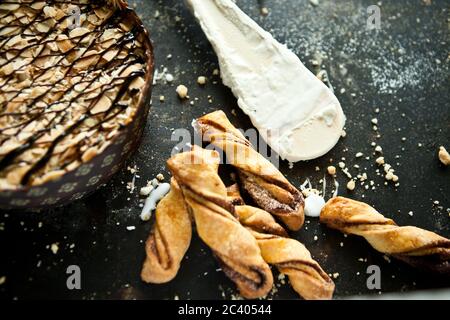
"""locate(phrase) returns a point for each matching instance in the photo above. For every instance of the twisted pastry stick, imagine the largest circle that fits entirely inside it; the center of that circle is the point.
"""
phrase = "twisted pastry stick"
(169, 239)
(268, 188)
(234, 246)
(288, 255)
(415, 246)
(255, 219)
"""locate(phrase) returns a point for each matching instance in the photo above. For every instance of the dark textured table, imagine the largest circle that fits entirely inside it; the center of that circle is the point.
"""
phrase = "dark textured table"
(401, 69)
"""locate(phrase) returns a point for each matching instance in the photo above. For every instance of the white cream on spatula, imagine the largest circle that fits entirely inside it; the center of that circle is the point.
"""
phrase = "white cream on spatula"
(295, 113)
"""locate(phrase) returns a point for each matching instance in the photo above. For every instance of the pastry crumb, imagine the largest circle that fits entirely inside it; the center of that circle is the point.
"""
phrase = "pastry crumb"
(444, 156)
(201, 80)
(182, 91)
(331, 170)
(389, 176)
(380, 160)
(351, 185)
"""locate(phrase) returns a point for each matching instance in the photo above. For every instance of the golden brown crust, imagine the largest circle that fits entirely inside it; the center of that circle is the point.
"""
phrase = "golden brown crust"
(259, 220)
(206, 196)
(415, 246)
(288, 255)
(259, 178)
(169, 239)
(293, 259)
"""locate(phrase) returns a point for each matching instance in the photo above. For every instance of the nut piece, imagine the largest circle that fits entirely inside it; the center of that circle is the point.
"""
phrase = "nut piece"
(182, 91)
(89, 154)
(78, 32)
(351, 185)
(201, 80)
(102, 105)
(444, 156)
(389, 175)
(145, 191)
(49, 12)
(331, 170)
(380, 160)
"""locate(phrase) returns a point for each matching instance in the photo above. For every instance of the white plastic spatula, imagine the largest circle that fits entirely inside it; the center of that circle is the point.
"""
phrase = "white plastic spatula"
(295, 113)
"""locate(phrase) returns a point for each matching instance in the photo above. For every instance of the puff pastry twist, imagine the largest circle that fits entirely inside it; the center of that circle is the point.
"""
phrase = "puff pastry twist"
(288, 255)
(415, 246)
(233, 245)
(268, 188)
(169, 239)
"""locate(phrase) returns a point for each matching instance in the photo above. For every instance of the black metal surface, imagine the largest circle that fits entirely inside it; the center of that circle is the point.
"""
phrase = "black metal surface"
(401, 69)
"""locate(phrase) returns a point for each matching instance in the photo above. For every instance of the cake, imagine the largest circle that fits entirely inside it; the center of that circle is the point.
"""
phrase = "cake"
(73, 77)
